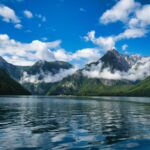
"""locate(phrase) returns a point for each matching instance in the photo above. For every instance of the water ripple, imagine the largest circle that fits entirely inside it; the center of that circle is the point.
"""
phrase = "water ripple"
(36, 123)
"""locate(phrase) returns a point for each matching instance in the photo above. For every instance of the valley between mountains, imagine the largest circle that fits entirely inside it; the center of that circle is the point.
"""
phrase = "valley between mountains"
(114, 74)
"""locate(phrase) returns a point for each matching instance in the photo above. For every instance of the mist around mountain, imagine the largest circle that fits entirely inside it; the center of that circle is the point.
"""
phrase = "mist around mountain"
(113, 74)
(39, 77)
(80, 85)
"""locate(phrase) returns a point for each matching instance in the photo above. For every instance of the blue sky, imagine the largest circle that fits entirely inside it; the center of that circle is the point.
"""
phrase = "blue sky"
(66, 26)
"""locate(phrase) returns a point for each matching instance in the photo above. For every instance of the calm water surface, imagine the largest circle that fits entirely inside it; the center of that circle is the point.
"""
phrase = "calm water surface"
(45, 123)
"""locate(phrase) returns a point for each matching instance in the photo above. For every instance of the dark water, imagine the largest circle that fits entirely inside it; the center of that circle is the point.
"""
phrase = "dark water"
(44, 123)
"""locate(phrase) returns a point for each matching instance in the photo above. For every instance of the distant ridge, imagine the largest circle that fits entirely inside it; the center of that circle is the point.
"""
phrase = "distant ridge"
(8, 86)
(91, 80)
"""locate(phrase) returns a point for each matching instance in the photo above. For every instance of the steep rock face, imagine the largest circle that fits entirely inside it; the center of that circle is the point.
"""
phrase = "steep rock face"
(8, 86)
(115, 61)
(112, 60)
(12, 70)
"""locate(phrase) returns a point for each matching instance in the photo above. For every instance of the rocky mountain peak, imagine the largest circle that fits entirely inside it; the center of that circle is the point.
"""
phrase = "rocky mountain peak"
(115, 61)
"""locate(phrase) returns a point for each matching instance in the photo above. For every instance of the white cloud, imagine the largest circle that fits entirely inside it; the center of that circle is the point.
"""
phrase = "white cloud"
(131, 33)
(28, 14)
(108, 43)
(89, 54)
(119, 12)
(139, 71)
(143, 15)
(20, 53)
(47, 77)
(8, 14)
(134, 15)
(133, 22)
(27, 53)
(105, 43)
(124, 47)
(62, 55)
(18, 26)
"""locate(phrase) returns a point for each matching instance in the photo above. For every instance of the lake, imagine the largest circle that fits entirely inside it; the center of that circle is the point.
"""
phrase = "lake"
(44, 123)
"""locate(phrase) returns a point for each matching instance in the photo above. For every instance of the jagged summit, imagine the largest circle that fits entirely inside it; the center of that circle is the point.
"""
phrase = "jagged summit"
(115, 61)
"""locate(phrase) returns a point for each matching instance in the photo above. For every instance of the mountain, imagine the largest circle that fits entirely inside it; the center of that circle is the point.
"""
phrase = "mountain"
(113, 74)
(112, 60)
(12, 70)
(41, 76)
(125, 74)
(80, 85)
(115, 61)
(132, 59)
(46, 66)
(38, 88)
(141, 89)
(9, 86)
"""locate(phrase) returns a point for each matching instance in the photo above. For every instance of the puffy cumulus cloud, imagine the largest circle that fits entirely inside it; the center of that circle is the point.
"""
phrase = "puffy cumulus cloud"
(28, 14)
(89, 54)
(119, 12)
(17, 60)
(18, 26)
(106, 43)
(124, 47)
(47, 77)
(143, 16)
(62, 55)
(131, 33)
(8, 14)
(139, 71)
(20, 53)
(26, 53)
(134, 15)
(133, 22)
